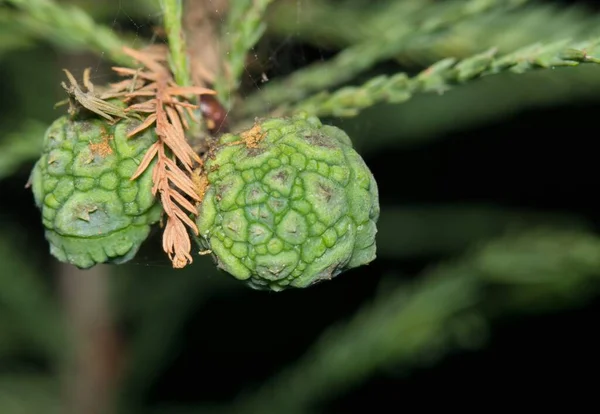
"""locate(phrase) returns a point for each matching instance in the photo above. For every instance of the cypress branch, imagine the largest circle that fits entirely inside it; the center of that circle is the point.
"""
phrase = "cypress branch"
(178, 60)
(439, 77)
(390, 38)
(429, 117)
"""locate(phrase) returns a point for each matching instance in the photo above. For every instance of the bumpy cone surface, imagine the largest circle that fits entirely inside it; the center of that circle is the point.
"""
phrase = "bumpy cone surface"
(92, 211)
(291, 205)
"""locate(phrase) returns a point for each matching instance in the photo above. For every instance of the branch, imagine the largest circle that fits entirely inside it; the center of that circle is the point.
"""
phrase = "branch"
(385, 43)
(430, 117)
(348, 101)
(178, 59)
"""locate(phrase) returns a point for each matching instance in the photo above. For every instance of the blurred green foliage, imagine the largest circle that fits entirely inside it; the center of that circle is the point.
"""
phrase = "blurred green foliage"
(479, 261)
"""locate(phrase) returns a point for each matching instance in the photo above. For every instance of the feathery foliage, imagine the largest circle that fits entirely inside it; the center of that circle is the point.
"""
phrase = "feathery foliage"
(439, 77)
(388, 40)
(173, 10)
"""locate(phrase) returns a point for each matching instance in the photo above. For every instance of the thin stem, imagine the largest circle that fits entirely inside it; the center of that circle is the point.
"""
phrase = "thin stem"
(173, 10)
(178, 56)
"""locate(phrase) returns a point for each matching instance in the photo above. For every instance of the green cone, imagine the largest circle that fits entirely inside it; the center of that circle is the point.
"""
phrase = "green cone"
(298, 208)
(92, 211)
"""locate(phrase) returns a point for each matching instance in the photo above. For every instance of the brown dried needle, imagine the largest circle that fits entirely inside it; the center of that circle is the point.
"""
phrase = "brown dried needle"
(154, 92)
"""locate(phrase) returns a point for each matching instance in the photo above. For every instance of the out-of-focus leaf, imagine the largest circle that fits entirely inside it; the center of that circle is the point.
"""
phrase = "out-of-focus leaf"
(20, 146)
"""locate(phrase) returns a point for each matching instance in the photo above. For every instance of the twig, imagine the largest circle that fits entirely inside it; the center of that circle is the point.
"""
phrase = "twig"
(348, 101)
(178, 58)
(387, 43)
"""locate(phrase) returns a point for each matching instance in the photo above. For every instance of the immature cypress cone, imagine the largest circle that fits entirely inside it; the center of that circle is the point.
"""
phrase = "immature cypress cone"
(289, 203)
(91, 210)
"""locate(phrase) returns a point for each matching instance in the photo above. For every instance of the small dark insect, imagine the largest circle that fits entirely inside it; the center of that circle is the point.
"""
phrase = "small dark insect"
(214, 113)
